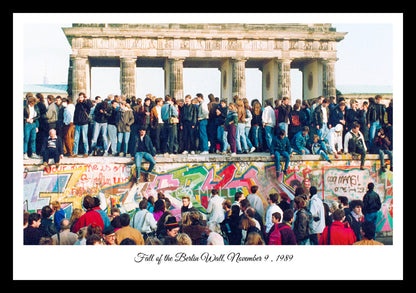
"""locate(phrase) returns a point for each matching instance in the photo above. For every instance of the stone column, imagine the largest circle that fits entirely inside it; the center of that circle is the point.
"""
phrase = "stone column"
(269, 79)
(128, 76)
(239, 77)
(70, 72)
(328, 71)
(283, 79)
(175, 75)
(80, 76)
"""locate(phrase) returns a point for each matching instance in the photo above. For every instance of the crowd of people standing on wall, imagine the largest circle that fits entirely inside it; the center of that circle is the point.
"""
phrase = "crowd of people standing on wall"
(305, 220)
(196, 125)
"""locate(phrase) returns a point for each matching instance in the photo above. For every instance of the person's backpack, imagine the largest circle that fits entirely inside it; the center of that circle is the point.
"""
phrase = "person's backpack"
(275, 237)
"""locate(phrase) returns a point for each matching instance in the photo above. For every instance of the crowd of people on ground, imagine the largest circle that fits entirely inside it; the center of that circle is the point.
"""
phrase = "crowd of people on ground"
(305, 220)
(57, 126)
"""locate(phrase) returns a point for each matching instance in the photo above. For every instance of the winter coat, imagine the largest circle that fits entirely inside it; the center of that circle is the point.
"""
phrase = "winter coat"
(146, 147)
(220, 119)
(316, 208)
(371, 202)
(101, 117)
(215, 210)
(351, 136)
(26, 113)
(82, 112)
(125, 121)
(335, 116)
(299, 141)
(283, 115)
(231, 117)
(339, 235)
(375, 113)
(189, 114)
(58, 144)
(89, 218)
(317, 117)
(280, 145)
(301, 225)
(114, 115)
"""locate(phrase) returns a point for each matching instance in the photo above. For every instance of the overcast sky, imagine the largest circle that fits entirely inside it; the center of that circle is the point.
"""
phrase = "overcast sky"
(365, 58)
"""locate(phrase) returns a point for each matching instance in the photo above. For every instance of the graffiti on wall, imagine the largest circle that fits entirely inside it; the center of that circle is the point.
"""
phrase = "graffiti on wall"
(112, 182)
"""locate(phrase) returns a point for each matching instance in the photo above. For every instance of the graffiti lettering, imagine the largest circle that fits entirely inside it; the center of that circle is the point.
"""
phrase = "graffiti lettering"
(351, 180)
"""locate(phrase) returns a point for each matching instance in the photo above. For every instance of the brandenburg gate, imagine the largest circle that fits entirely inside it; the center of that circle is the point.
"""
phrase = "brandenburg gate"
(230, 47)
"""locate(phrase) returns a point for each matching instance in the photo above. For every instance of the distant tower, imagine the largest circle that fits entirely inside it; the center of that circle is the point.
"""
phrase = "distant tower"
(45, 76)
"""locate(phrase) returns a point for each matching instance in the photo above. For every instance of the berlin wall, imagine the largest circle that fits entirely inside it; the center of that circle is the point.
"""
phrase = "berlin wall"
(110, 178)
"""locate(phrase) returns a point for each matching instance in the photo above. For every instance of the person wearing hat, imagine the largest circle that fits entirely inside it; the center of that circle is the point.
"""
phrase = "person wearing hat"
(109, 235)
(143, 148)
(171, 230)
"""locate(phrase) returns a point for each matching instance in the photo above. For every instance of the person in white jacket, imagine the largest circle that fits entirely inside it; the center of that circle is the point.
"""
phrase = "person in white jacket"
(255, 200)
(144, 221)
(334, 138)
(269, 121)
(274, 199)
(317, 223)
(214, 209)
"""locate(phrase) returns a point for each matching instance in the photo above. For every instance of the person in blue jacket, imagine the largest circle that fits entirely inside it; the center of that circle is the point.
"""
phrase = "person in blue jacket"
(281, 147)
(300, 140)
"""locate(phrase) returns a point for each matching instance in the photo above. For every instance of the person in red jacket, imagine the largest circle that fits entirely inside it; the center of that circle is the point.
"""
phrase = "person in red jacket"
(338, 233)
(91, 217)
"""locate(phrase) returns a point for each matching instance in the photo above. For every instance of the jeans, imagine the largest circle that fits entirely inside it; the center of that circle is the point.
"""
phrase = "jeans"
(269, 136)
(371, 217)
(51, 153)
(203, 135)
(168, 141)
(323, 154)
(29, 137)
(123, 137)
(322, 151)
(284, 126)
(322, 130)
(304, 242)
(307, 152)
(314, 239)
(99, 128)
(138, 157)
(257, 136)
(381, 154)
(247, 132)
(373, 130)
(222, 137)
(81, 130)
(277, 160)
(241, 137)
(112, 135)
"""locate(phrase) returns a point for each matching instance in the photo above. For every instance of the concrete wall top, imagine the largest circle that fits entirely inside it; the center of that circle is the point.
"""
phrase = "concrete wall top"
(211, 158)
